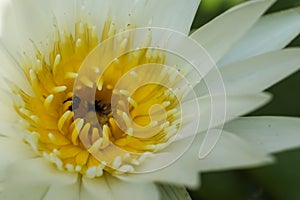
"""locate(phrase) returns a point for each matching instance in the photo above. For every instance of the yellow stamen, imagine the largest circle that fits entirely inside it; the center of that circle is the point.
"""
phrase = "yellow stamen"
(70, 131)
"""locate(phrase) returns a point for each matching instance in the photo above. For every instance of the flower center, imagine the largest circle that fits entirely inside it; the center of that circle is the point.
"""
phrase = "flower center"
(74, 132)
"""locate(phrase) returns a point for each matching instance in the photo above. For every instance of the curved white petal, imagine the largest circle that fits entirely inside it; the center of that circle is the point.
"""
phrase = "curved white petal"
(12, 150)
(38, 170)
(110, 188)
(10, 124)
(10, 71)
(15, 191)
(3, 4)
(33, 179)
(95, 189)
(236, 105)
(68, 192)
(272, 32)
(272, 134)
(230, 152)
(179, 172)
(217, 109)
(219, 35)
(260, 72)
(173, 14)
(172, 192)
(37, 20)
(9, 115)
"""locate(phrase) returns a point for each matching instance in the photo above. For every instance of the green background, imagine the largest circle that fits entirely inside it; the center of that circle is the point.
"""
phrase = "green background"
(280, 181)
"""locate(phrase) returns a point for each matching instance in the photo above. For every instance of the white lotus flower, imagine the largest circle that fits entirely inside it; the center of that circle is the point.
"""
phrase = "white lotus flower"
(43, 46)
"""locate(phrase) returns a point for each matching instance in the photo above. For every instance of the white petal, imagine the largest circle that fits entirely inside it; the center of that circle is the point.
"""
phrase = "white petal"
(38, 170)
(236, 105)
(272, 134)
(217, 109)
(95, 189)
(179, 172)
(281, 27)
(31, 179)
(173, 14)
(16, 26)
(110, 188)
(219, 35)
(11, 71)
(10, 124)
(68, 192)
(15, 191)
(35, 21)
(11, 77)
(230, 152)
(260, 72)
(8, 112)
(12, 150)
(3, 4)
(172, 192)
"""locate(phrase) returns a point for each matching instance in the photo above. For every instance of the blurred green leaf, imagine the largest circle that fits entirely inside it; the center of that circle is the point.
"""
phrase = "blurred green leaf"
(281, 181)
